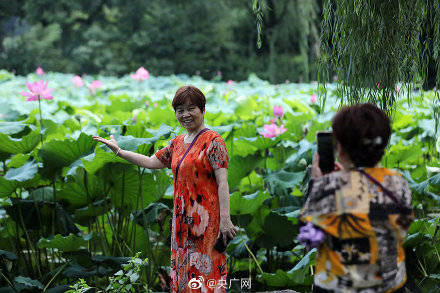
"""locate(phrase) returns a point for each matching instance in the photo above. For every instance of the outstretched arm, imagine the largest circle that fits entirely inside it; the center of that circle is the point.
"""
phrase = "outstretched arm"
(135, 158)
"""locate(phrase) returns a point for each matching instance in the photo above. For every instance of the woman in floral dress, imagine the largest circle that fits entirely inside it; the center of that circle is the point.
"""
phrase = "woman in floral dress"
(201, 196)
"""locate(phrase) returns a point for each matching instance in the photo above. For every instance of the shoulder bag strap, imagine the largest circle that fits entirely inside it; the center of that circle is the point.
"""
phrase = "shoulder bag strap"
(187, 151)
(386, 191)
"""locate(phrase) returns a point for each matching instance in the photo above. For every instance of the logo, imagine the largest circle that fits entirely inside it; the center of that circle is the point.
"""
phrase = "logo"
(196, 283)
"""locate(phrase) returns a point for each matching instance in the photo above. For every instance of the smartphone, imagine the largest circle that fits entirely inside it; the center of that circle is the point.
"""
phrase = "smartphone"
(219, 245)
(325, 151)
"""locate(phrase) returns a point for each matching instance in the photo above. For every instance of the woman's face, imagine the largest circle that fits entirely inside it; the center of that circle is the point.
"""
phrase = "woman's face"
(189, 115)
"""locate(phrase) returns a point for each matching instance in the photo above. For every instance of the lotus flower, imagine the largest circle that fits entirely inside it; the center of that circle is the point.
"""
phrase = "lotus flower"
(278, 111)
(219, 73)
(287, 81)
(230, 82)
(310, 236)
(40, 71)
(141, 74)
(272, 130)
(77, 81)
(313, 99)
(335, 78)
(38, 90)
(96, 84)
(155, 105)
(398, 89)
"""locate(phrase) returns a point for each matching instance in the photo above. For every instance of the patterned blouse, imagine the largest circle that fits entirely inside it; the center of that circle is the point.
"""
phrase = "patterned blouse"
(365, 229)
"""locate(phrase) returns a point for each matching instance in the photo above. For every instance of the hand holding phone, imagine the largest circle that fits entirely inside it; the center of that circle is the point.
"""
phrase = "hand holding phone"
(220, 245)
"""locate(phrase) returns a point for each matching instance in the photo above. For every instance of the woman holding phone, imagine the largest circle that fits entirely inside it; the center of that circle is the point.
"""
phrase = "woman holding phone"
(201, 218)
(358, 216)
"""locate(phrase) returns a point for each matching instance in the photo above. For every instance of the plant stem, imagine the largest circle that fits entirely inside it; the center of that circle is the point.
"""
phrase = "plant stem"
(41, 119)
(253, 256)
(9, 282)
(53, 278)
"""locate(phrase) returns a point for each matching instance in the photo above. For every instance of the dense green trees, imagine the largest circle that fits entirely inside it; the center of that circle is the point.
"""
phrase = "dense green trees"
(165, 36)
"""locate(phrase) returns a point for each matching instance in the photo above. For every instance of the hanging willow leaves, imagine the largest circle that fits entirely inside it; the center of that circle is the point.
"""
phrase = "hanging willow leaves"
(374, 44)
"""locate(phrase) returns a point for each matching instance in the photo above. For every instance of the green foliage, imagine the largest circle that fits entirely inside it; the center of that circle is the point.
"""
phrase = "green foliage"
(124, 280)
(373, 45)
(194, 37)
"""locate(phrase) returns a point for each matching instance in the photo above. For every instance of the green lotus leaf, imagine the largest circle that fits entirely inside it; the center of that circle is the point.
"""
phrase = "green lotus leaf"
(84, 215)
(240, 167)
(8, 255)
(23, 173)
(57, 154)
(278, 231)
(247, 204)
(28, 283)
(18, 160)
(10, 146)
(63, 243)
(15, 128)
(125, 183)
(81, 189)
(282, 182)
(7, 187)
(150, 214)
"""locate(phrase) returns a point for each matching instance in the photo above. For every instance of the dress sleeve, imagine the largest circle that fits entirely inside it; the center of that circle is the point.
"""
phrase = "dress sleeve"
(165, 155)
(218, 154)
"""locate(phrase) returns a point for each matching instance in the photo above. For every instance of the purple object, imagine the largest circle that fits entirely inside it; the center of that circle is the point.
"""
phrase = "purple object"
(310, 236)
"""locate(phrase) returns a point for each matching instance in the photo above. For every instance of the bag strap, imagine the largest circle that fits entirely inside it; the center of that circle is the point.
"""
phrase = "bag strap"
(187, 151)
(385, 190)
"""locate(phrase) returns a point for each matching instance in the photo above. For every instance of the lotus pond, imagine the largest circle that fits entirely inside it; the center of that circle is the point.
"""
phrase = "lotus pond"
(70, 209)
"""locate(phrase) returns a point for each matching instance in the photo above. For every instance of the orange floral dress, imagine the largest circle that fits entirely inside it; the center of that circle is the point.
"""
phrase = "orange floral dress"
(195, 265)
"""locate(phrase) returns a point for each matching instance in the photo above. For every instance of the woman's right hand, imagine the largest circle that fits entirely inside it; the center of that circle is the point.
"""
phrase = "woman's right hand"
(316, 171)
(111, 143)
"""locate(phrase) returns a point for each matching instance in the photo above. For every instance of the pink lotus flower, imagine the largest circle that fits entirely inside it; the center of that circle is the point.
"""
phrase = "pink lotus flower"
(141, 74)
(434, 89)
(38, 90)
(278, 111)
(96, 84)
(77, 81)
(398, 89)
(287, 81)
(219, 73)
(313, 99)
(378, 85)
(335, 78)
(272, 130)
(230, 82)
(40, 71)
(155, 105)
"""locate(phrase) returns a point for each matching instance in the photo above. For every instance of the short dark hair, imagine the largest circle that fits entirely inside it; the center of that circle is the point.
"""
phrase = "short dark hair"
(363, 130)
(189, 92)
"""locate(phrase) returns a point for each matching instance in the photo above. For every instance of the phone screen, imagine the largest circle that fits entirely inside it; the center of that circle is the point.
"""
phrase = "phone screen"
(325, 151)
